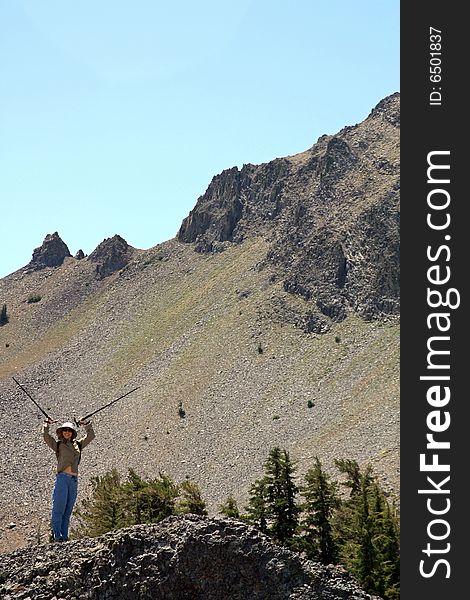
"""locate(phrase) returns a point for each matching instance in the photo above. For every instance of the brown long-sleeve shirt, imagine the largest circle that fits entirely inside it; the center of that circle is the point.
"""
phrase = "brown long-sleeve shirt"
(69, 452)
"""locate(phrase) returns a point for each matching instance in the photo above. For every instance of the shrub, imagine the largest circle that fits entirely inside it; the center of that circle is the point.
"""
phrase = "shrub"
(34, 298)
(115, 503)
(191, 500)
(3, 315)
(230, 508)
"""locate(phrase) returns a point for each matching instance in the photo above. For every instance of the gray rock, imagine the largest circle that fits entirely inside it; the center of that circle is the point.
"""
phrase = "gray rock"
(330, 214)
(181, 558)
(51, 253)
(110, 256)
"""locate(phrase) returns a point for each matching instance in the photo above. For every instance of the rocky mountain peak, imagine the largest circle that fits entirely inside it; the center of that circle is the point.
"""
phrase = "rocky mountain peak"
(388, 109)
(330, 214)
(51, 253)
(110, 256)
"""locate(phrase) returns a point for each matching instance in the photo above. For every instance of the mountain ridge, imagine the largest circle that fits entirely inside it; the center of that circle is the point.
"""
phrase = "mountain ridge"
(295, 310)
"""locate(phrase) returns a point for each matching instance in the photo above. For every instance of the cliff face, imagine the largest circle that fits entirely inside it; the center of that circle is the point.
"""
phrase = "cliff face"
(331, 215)
(237, 203)
(182, 558)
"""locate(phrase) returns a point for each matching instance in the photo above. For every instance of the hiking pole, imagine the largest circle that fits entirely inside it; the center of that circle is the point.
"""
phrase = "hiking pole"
(31, 398)
(105, 406)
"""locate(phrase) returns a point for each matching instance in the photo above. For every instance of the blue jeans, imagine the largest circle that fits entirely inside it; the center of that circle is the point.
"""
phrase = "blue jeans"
(63, 499)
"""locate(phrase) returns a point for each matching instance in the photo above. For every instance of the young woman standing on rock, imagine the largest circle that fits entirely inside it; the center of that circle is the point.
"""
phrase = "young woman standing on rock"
(68, 451)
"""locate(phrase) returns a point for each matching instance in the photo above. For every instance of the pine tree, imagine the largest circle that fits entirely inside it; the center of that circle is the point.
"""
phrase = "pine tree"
(366, 561)
(257, 509)
(282, 491)
(105, 510)
(272, 507)
(191, 500)
(229, 508)
(3, 315)
(367, 533)
(351, 469)
(149, 501)
(321, 500)
(387, 541)
(114, 504)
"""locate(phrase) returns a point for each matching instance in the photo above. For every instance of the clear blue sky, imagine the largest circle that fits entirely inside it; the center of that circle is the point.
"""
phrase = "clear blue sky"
(115, 115)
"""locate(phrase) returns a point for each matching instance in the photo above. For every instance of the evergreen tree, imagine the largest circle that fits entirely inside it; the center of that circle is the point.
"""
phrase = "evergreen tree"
(191, 500)
(114, 504)
(257, 509)
(366, 560)
(3, 315)
(387, 540)
(281, 493)
(321, 500)
(367, 533)
(229, 508)
(272, 507)
(351, 469)
(149, 501)
(105, 510)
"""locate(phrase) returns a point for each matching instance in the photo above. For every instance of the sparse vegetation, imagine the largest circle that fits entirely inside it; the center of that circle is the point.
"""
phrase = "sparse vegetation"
(32, 298)
(229, 508)
(310, 404)
(204, 347)
(191, 500)
(3, 315)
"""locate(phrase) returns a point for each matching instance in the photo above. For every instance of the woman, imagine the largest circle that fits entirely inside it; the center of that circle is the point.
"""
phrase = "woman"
(68, 451)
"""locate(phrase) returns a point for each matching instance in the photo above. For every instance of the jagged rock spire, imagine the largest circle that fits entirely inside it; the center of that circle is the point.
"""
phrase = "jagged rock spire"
(51, 253)
(111, 255)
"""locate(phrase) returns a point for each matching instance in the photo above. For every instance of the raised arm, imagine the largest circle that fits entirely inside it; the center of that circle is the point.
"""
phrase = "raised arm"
(50, 441)
(89, 433)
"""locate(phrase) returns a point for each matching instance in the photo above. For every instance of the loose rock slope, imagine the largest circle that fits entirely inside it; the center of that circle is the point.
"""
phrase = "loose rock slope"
(263, 339)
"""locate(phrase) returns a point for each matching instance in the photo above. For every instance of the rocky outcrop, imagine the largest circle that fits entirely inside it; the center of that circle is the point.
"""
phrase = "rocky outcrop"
(237, 203)
(110, 256)
(219, 210)
(331, 215)
(51, 253)
(182, 558)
